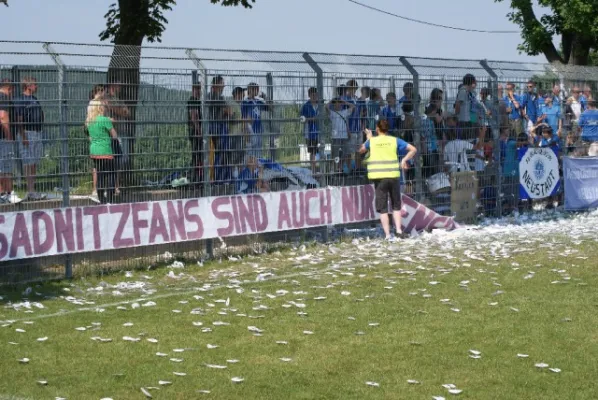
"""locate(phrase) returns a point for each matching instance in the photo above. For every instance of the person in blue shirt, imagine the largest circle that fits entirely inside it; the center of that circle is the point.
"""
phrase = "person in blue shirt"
(390, 112)
(551, 115)
(250, 178)
(251, 110)
(513, 108)
(588, 123)
(530, 105)
(311, 128)
(543, 136)
(429, 142)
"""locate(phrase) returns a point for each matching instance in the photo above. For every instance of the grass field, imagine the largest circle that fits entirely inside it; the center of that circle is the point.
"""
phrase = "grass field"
(320, 322)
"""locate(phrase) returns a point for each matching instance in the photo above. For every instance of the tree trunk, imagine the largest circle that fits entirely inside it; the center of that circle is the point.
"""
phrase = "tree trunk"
(580, 52)
(124, 70)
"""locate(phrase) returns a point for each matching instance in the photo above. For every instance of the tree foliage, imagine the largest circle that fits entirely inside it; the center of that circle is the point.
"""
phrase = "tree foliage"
(574, 22)
(132, 21)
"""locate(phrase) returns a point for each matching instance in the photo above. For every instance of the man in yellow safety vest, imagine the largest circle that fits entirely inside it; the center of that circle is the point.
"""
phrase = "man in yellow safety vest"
(384, 172)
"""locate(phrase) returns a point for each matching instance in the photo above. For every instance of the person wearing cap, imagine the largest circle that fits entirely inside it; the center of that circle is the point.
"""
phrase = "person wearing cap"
(7, 143)
(384, 170)
(251, 110)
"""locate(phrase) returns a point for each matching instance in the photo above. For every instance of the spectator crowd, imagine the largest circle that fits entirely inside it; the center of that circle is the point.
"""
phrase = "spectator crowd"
(481, 131)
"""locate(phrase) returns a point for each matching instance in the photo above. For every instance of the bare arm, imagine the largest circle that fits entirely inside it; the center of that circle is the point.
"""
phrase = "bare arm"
(5, 125)
(411, 152)
(113, 133)
(194, 116)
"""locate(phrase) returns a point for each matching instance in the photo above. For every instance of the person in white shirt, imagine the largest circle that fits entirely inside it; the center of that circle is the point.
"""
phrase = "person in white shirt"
(341, 141)
(455, 151)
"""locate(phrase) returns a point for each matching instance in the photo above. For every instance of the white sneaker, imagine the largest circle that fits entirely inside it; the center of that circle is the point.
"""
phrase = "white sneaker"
(390, 239)
(13, 198)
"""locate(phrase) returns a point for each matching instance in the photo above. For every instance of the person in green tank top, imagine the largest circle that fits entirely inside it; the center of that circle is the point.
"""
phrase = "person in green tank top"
(384, 171)
(101, 133)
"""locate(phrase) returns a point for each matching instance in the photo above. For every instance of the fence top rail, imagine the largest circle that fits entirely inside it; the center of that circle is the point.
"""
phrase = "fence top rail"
(218, 61)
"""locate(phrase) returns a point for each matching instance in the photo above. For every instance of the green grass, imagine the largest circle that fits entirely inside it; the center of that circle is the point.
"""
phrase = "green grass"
(417, 338)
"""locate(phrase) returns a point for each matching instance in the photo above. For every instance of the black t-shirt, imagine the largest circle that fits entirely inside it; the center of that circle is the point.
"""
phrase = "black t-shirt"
(215, 107)
(7, 105)
(193, 105)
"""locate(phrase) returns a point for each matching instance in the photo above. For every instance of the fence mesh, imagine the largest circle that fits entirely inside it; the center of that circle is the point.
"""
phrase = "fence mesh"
(207, 122)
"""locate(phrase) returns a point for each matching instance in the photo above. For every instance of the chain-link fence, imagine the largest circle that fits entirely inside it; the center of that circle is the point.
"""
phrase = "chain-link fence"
(100, 124)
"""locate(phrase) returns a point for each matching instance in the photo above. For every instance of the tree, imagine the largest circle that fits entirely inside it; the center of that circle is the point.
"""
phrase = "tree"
(128, 24)
(575, 21)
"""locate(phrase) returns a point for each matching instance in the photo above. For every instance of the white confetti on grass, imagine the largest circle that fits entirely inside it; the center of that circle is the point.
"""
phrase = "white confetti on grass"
(152, 340)
(412, 382)
(42, 339)
(521, 355)
(285, 359)
(146, 393)
(164, 383)
(237, 379)
(131, 339)
(555, 370)
(24, 360)
(541, 365)
(308, 333)
(215, 366)
(180, 373)
(372, 383)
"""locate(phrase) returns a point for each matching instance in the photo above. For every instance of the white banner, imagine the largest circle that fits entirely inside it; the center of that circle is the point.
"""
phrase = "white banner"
(107, 227)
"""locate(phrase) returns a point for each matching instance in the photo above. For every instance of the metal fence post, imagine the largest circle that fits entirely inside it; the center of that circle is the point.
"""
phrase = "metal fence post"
(419, 188)
(320, 87)
(495, 124)
(64, 158)
(270, 95)
(205, 128)
(393, 85)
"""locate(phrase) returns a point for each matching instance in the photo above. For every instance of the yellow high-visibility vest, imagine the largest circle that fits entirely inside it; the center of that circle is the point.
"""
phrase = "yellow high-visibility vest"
(383, 161)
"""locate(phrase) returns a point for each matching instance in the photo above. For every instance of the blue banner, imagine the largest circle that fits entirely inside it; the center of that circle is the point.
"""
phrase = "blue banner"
(539, 176)
(581, 183)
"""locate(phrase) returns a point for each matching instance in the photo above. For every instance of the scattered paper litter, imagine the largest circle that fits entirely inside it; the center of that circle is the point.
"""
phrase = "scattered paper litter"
(455, 391)
(232, 361)
(254, 329)
(152, 340)
(146, 393)
(308, 332)
(215, 366)
(284, 342)
(43, 383)
(42, 339)
(131, 339)
(555, 370)
(161, 354)
(81, 329)
(20, 330)
(541, 365)
(370, 383)
(237, 379)
(285, 359)
(127, 324)
(345, 293)
(212, 346)
(164, 383)
(449, 386)
(24, 360)
(412, 382)
(475, 352)
(522, 355)
(180, 373)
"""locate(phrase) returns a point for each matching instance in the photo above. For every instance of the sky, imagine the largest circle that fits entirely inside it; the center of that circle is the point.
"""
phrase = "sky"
(336, 26)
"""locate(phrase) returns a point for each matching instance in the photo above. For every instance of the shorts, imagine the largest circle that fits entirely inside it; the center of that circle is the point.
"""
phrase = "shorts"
(7, 148)
(385, 188)
(312, 146)
(32, 153)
